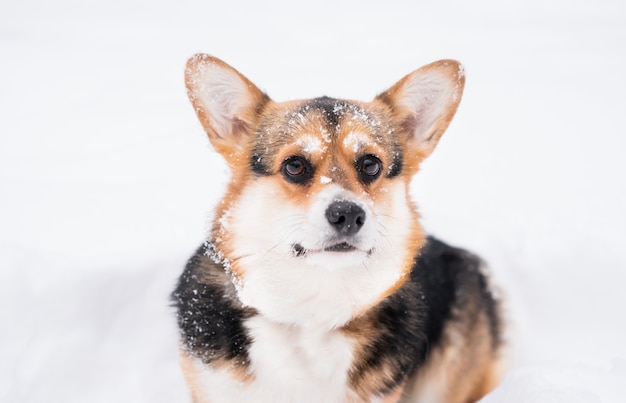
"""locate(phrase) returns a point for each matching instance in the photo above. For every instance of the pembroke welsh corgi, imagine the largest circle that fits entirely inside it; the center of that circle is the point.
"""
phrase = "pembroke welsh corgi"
(317, 282)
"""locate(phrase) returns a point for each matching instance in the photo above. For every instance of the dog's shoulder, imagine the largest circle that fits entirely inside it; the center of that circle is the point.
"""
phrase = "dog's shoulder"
(399, 332)
(210, 316)
(455, 287)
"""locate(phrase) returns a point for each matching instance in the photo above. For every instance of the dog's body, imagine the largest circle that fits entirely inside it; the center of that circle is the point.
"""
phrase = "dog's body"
(317, 283)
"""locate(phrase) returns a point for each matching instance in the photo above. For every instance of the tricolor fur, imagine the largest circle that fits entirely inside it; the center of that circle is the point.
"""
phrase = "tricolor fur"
(317, 283)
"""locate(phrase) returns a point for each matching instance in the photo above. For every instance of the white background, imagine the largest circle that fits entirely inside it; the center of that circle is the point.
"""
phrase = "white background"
(107, 181)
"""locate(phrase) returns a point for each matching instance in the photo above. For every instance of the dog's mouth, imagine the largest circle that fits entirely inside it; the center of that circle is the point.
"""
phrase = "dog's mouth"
(341, 247)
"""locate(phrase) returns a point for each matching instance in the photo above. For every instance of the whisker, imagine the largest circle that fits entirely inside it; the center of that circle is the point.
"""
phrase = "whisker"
(388, 216)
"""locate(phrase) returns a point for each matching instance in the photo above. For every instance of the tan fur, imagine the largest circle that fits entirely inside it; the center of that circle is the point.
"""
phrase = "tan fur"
(361, 330)
(462, 370)
(192, 372)
(394, 396)
(465, 367)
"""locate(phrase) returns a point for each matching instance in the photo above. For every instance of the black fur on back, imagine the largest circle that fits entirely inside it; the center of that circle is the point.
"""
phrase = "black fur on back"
(450, 277)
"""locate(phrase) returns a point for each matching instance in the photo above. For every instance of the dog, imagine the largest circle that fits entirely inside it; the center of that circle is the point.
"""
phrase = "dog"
(317, 282)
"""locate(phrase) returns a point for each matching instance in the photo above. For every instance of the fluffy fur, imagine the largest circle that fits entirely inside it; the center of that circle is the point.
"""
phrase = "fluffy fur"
(317, 282)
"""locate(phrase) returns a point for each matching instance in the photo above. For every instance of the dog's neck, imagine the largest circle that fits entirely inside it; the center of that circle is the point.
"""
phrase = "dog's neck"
(311, 297)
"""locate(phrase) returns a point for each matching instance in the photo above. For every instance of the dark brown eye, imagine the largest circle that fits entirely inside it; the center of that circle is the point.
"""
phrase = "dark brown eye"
(294, 168)
(369, 168)
(298, 170)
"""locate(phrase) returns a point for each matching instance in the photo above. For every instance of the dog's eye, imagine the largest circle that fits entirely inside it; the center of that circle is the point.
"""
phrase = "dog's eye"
(297, 170)
(369, 168)
(294, 167)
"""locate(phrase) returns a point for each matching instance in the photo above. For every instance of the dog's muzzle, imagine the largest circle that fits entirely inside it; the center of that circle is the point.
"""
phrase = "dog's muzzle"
(346, 219)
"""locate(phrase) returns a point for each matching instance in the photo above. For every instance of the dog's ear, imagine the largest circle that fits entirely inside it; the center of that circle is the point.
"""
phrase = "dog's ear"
(227, 103)
(424, 102)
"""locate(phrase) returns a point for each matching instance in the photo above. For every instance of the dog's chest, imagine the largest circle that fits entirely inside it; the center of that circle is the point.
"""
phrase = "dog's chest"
(289, 364)
(293, 353)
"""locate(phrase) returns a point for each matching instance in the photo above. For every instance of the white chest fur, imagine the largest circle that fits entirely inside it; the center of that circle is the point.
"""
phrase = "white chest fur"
(290, 364)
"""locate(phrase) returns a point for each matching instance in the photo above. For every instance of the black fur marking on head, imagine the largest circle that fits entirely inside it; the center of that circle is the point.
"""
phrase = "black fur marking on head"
(210, 319)
(396, 166)
(330, 107)
(258, 166)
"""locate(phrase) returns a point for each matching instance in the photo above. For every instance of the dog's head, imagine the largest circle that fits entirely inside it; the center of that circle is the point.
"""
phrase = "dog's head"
(317, 224)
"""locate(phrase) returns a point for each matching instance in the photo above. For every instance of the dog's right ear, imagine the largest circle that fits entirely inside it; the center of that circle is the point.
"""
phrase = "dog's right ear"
(424, 103)
(226, 102)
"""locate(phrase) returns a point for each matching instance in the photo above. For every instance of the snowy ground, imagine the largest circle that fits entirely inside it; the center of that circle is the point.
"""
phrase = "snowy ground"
(107, 181)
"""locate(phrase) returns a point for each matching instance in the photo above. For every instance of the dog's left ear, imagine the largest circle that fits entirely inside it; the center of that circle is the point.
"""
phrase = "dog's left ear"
(424, 103)
(226, 102)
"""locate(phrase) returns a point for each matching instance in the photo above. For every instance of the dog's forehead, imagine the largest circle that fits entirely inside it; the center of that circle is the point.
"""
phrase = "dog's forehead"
(337, 114)
(323, 125)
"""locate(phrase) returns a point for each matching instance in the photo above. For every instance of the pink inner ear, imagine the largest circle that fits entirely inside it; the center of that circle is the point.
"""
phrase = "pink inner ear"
(409, 124)
(219, 92)
(415, 128)
(428, 98)
(224, 101)
(239, 127)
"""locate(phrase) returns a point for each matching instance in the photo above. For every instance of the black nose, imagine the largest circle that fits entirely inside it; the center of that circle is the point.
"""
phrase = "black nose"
(346, 217)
